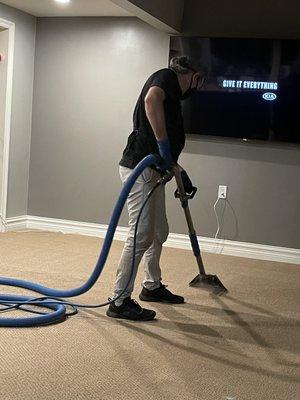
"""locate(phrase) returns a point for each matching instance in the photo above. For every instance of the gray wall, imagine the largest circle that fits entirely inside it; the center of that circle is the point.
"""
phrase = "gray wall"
(21, 109)
(236, 18)
(263, 190)
(88, 74)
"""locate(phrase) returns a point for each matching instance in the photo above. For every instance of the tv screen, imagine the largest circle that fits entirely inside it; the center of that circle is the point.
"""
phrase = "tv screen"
(252, 90)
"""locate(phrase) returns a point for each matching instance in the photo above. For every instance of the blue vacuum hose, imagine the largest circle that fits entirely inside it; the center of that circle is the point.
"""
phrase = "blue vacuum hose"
(60, 309)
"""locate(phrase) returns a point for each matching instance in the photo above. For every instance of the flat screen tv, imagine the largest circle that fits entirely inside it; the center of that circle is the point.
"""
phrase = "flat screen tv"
(252, 91)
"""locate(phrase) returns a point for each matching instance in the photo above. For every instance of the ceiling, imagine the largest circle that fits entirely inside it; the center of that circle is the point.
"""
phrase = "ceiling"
(49, 8)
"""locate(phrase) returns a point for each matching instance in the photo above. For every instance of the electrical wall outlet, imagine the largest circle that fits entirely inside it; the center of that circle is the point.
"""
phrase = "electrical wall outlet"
(222, 193)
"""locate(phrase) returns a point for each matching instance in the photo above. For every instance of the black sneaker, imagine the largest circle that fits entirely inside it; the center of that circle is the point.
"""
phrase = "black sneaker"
(161, 294)
(130, 309)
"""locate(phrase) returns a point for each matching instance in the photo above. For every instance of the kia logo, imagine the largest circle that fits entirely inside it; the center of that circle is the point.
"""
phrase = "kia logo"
(269, 96)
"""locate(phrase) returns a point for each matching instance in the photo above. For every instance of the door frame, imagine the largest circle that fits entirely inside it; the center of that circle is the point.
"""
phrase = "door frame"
(7, 118)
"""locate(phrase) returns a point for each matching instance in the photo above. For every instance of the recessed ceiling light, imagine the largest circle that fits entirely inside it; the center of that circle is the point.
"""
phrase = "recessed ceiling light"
(63, 1)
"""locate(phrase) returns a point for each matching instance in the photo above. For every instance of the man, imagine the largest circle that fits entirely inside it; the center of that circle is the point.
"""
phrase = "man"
(158, 128)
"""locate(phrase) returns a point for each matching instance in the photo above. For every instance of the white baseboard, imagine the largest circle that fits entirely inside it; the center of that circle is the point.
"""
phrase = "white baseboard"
(180, 241)
(16, 223)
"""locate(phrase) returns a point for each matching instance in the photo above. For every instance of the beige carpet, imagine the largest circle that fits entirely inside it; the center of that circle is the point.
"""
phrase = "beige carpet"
(244, 345)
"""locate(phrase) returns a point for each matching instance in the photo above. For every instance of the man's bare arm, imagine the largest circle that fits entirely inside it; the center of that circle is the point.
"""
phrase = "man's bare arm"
(154, 107)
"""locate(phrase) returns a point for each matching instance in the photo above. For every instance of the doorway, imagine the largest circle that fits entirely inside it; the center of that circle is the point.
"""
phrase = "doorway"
(7, 30)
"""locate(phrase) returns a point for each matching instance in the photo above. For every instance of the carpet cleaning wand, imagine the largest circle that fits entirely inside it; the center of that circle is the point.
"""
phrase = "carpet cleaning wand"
(202, 280)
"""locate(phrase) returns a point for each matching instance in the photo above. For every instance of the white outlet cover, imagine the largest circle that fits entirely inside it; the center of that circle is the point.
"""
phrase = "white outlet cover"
(222, 193)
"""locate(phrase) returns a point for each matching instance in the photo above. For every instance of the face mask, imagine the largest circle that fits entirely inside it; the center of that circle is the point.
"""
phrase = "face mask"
(190, 90)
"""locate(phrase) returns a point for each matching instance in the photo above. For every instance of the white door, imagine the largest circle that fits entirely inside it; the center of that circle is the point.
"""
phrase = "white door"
(3, 83)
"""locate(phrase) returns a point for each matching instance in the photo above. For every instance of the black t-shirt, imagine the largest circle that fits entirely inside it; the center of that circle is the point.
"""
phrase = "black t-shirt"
(142, 142)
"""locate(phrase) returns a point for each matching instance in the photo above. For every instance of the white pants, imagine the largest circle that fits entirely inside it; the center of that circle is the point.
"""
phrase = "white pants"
(152, 232)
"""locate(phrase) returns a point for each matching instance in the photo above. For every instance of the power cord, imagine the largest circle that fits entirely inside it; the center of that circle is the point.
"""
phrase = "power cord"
(220, 225)
(218, 222)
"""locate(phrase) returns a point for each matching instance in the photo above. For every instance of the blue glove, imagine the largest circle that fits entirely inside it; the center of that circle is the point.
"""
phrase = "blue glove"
(165, 153)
